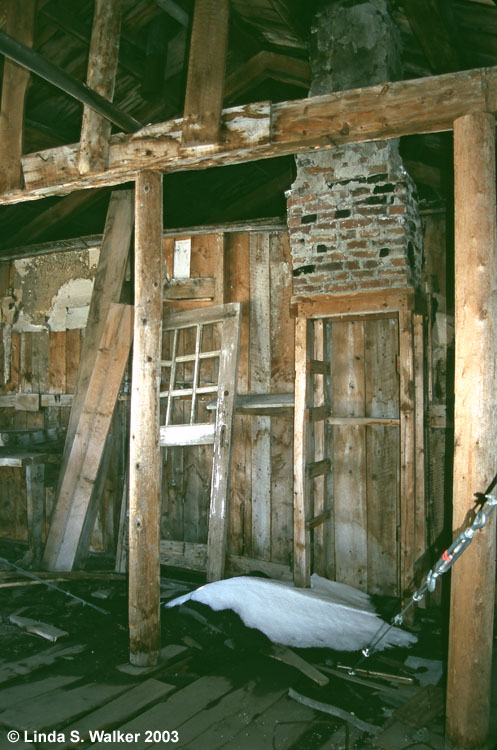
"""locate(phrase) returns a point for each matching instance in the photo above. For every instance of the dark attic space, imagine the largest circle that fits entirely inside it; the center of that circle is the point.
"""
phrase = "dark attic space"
(248, 411)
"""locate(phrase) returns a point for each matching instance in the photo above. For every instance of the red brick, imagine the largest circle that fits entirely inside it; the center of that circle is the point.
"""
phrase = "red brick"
(344, 287)
(372, 284)
(354, 223)
(357, 244)
(370, 210)
(397, 210)
(365, 253)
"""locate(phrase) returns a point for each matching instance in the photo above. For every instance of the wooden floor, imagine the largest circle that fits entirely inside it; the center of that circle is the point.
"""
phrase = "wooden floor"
(218, 685)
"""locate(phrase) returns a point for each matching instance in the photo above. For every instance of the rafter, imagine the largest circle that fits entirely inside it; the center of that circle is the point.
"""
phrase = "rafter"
(433, 23)
(267, 65)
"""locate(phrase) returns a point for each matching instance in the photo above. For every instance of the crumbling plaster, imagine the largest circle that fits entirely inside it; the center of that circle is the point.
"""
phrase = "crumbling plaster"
(53, 292)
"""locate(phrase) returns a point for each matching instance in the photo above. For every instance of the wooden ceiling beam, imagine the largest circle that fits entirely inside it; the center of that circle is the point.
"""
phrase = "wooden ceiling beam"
(20, 24)
(434, 25)
(206, 72)
(101, 77)
(260, 131)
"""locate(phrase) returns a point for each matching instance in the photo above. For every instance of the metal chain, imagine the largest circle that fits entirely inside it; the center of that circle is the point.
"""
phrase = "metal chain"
(443, 564)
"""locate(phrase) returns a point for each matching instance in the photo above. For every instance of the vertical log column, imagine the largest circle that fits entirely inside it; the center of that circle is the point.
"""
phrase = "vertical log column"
(20, 25)
(144, 465)
(101, 77)
(206, 72)
(475, 454)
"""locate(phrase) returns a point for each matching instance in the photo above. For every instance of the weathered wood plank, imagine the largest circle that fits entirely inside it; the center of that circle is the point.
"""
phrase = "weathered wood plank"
(194, 556)
(73, 356)
(179, 707)
(222, 452)
(318, 368)
(11, 670)
(144, 462)
(57, 362)
(238, 290)
(260, 382)
(50, 710)
(419, 409)
(349, 456)
(26, 691)
(224, 719)
(128, 704)
(301, 454)
(206, 72)
(101, 77)
(382, 450)
(106, 289)
(91, 433)
(407, 451)
(354, 304)
(15, 82)
(281, 386)
(380, 112)
(280, 725)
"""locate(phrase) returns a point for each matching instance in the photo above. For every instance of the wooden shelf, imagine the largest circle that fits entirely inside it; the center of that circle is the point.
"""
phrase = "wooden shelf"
(262, 404)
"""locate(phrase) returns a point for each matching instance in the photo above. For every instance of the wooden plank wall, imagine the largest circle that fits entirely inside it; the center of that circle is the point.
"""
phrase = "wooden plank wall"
(257, 273)
(364, 489)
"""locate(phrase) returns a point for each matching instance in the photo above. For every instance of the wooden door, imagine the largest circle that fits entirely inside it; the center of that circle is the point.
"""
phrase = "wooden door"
(364, 446)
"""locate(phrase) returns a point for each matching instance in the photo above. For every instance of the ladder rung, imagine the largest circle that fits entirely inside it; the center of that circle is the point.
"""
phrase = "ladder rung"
(318, 367)
(318, 520)
(318, 468)
(318, 413)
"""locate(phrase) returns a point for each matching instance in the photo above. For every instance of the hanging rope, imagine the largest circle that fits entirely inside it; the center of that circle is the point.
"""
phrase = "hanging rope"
(443, 564)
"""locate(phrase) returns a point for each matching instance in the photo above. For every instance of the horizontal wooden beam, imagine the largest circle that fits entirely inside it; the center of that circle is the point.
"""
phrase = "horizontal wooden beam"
(353, 304)
(264, 130)
(193, 556)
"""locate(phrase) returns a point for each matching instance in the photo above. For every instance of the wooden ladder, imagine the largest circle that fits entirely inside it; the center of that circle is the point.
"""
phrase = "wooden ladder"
(310, 464)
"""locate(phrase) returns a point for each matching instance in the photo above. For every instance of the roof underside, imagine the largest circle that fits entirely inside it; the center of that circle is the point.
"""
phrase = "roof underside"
(267, 60)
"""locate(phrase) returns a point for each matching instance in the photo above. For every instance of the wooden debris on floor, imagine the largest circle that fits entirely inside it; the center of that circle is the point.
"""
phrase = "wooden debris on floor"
(43, 629)
(334, 711)
(287, 656)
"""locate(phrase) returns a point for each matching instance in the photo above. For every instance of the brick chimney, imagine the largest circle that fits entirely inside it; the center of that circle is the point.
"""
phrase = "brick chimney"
(352, 211)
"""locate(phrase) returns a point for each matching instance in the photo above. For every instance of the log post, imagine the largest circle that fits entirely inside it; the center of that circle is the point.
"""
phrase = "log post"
(101, 77)
(475, 454)
(144, 464)
(20, 25)
(206, 72)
